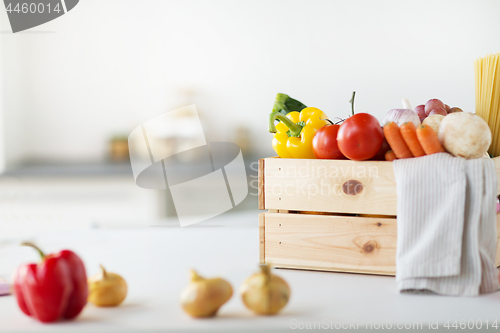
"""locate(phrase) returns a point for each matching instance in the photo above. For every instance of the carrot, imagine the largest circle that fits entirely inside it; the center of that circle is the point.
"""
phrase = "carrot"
(409, 134)
(396, 141)
(390, 156)
(429, 140)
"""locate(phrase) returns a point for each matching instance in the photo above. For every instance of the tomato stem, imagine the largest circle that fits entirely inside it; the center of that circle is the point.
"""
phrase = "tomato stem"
(334, 123)
(352, 102)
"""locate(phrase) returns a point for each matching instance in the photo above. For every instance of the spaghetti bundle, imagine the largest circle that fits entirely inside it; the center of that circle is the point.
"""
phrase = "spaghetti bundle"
(487, 80)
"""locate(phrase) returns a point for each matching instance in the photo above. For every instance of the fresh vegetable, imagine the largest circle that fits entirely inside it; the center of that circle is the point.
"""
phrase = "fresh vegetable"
(406, 104)
(325, 143)
(439, 111)
(464, 134)
(285, 104)
(434, 121)
(203, 297)
(384, 148)
(453, 110)
(401, 116)
(420, 111)
(433, 104)
(429, 140)
(360, 137)
(390, 156)
(396, 141)
(295, 132)
(107, 289)
(409, 134)
(265, 293)
(434, 107)
(53, 289)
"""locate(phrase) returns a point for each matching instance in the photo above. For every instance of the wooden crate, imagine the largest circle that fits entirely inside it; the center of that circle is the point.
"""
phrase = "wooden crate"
(330, 215)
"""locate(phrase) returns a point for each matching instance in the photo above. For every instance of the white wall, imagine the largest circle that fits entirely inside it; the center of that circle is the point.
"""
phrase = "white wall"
(108, 65)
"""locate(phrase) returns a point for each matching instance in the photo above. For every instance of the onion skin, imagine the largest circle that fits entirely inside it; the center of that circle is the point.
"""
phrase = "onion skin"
(203, 297)
(440, 111)
(107, 289)
(265, 293)
(420, 111)
(401, 116)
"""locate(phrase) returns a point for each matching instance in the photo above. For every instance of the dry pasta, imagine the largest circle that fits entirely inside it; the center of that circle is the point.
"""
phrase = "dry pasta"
(487, 81)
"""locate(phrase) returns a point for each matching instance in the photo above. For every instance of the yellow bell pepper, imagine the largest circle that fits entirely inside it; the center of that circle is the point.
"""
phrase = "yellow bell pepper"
(295, 131)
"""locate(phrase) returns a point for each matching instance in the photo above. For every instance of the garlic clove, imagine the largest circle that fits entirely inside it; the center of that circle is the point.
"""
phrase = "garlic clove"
(265, 293)
(203, 297)
(107, 289)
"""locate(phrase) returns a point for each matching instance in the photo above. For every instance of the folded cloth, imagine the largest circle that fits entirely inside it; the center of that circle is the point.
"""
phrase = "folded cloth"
(447, 233)
(4, 288)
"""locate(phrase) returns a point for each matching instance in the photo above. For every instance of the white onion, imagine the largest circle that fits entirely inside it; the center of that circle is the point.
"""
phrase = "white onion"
(401, 116)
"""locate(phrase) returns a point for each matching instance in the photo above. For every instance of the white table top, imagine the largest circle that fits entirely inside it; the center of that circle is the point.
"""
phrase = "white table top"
(155, 263)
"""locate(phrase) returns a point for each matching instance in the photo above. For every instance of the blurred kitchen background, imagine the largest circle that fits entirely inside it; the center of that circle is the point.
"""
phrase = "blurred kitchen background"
(74, 88)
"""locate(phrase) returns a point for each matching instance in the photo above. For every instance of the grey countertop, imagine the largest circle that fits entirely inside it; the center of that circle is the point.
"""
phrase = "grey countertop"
(93, 168)
(80, 169)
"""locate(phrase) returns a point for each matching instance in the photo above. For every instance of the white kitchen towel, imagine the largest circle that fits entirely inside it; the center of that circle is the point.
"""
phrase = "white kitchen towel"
(446, 238)
(4, 288)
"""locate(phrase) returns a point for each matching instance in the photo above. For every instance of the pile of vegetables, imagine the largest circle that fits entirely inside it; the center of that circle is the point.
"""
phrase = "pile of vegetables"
(407, 141)
(309, 134)
(432, 128)
(443, 129)
(262, 293)
(56, 288)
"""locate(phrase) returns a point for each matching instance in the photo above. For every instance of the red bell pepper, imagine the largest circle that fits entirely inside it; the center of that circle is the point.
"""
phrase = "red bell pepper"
(53, 289)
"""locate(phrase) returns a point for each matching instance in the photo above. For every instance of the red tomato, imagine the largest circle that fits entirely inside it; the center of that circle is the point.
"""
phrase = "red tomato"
(360, 137)
(380, 156)
(325, 143)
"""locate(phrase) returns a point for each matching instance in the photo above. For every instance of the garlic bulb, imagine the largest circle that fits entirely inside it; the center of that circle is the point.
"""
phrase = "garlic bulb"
(107, 289)
(265, 293)
(401, 116)
(203, 297)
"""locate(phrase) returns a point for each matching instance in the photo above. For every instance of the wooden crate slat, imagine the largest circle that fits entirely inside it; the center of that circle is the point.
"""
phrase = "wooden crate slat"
(333, 243)
(261, 180)
(315, 241)
(262, 238)
(330, 186)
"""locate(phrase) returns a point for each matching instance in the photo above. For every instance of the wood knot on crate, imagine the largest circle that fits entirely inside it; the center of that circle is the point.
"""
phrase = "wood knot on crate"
(352, 187)
(370, 247)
